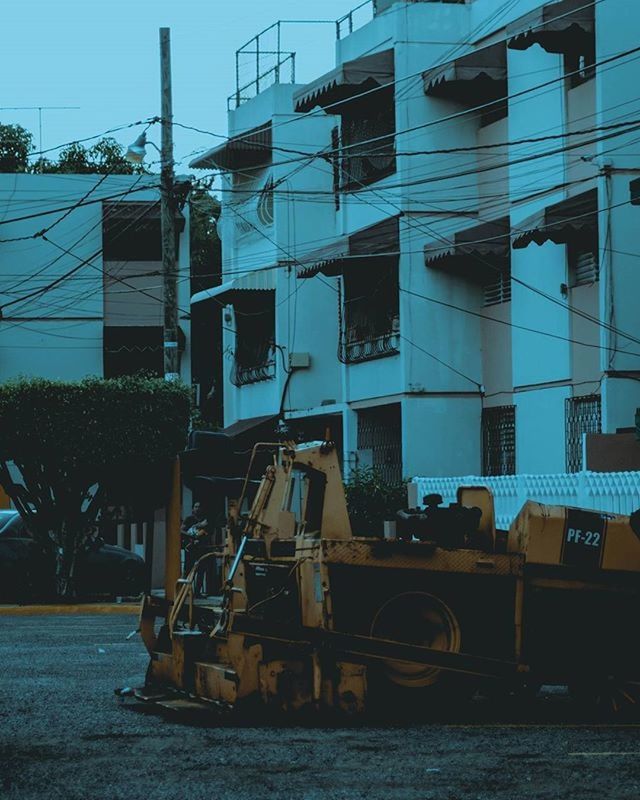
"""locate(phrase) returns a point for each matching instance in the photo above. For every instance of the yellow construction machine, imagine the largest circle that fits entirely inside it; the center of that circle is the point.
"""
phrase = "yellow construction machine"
(312, 617)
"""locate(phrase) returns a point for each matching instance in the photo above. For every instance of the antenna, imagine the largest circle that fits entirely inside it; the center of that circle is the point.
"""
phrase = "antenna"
(39, 109)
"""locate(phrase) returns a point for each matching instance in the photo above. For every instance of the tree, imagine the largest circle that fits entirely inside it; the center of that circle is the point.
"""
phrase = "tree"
(15, 145)
(69, 450)
(105, 157)
(204, 212)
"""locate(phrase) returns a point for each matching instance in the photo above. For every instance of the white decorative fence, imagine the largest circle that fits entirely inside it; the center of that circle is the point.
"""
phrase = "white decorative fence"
(615, 492)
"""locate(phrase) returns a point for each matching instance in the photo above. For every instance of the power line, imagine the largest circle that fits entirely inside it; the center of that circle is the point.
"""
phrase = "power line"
(419, 74)
(116, 196)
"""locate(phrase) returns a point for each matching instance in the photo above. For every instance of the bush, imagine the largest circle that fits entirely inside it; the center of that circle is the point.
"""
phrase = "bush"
(371, 500)
(70, 449)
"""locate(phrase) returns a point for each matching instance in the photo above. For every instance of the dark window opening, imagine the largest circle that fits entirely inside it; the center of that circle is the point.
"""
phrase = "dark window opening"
(584, 268)
(368, 139)
(380, 441)
(254, 358)
(371, 317)
(136, 239)
(499, 440)
(579, 65)
(582, 415)
(131, 350)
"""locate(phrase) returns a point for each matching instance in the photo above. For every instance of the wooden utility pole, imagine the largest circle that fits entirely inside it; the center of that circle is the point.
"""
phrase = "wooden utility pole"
(168, 219)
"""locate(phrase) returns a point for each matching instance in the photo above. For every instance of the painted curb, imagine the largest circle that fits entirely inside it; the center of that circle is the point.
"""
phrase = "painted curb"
(87, 608)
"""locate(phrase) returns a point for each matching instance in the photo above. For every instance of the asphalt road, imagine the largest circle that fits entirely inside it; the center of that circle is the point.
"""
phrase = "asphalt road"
(63, 735)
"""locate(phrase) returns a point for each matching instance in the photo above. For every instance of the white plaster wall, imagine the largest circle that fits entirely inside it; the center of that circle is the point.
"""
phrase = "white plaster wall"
(440, 435)
(540, 430)
(55, 349)
(497, 366)
(585, 359)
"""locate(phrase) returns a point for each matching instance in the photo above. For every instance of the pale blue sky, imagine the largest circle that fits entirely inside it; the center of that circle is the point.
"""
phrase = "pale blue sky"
(102, 55)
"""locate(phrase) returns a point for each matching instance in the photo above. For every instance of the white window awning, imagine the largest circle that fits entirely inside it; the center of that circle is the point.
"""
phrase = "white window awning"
(261, 280)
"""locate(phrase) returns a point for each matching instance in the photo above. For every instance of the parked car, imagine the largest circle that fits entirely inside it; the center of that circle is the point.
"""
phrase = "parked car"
(102, 569)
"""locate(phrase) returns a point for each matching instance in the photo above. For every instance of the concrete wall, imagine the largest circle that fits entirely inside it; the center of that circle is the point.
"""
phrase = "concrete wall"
(58, 333)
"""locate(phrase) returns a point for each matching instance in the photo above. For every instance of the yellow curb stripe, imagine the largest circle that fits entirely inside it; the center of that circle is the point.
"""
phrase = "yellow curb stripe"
(87, 608)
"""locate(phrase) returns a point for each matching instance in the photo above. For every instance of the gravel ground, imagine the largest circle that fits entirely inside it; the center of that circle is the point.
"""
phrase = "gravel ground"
(63, 735)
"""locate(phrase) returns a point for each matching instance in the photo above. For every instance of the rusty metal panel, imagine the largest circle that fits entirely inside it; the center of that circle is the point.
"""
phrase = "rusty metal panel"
(216, 682)
(400, 555)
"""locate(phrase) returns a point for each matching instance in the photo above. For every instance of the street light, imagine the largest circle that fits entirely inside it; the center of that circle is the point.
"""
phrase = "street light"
(137, 150)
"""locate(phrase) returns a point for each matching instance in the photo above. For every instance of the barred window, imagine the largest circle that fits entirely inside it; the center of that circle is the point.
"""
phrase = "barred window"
(371, 324)
(582, 415)
(498, 290)
(254, 358)
(380, 440)
(583, 262)
(499, 440)
(368, 134)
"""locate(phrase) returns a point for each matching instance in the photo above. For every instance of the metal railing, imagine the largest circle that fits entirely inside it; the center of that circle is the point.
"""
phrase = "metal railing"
(384, 344)
(356, 18)
(243, 375)
(264, 61)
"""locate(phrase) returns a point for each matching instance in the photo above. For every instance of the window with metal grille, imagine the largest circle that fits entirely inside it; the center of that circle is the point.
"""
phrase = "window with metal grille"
(368, 134)
(370, 323)
(499, 440)
(380, 440)
(499, 290)
(583, 263)
(582, 415)
(254, 357)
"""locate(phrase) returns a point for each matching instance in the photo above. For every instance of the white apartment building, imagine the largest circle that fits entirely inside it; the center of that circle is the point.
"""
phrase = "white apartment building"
(431, 249)
(85, 298)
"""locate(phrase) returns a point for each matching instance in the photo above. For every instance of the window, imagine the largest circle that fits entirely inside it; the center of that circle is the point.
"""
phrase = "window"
(254, 357)
(130, 350)
(380, 441)
(498, 290)
(370, 327)
(582, 415)
(579, 67)
(583, 262)
(499, 440)
(373, 117)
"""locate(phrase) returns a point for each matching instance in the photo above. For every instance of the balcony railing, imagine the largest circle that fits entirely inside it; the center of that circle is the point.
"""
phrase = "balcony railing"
(355, 18)
(243, 375)
(365, 12)
(365, 349)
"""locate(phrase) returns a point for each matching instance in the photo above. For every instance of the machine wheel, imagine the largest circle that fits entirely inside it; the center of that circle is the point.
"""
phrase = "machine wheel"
(607, 696)
(416, 618)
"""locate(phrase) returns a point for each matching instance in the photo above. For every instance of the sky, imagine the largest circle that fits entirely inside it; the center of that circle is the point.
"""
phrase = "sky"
(103, 56)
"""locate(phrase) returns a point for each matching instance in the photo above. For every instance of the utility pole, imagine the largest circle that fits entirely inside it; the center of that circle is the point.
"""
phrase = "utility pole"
(168, 219)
